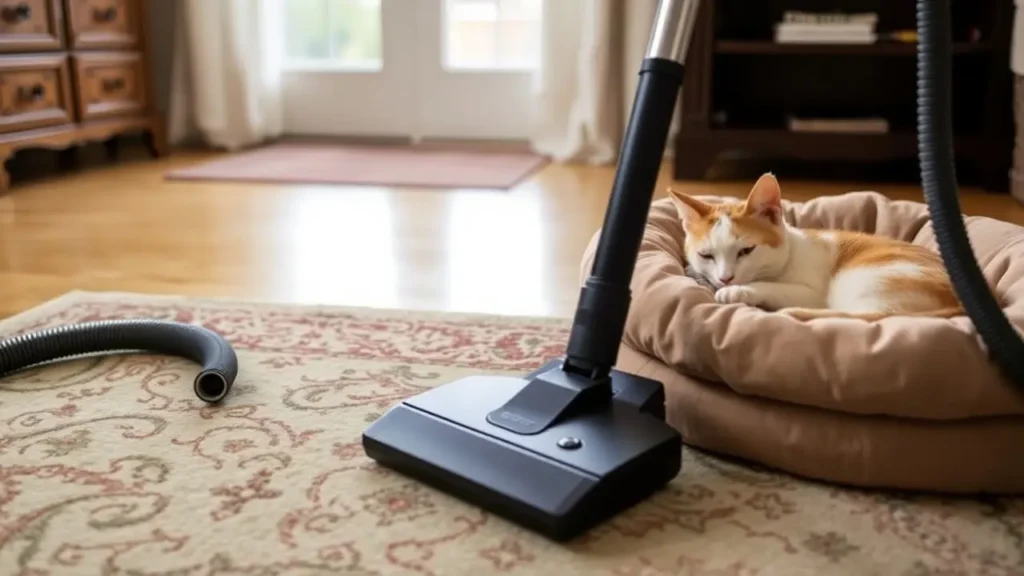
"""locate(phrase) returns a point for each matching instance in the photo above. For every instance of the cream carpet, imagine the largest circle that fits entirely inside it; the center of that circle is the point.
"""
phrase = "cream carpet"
(111, 466)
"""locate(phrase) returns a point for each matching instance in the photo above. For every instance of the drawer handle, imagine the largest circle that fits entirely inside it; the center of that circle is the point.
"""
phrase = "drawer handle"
(112, 84)
(31, 93)
(16, 12)
(105, 14)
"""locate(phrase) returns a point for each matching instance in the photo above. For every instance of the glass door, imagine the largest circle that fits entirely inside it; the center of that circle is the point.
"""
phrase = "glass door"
(478, 57)
(348, 67)
(411, 68)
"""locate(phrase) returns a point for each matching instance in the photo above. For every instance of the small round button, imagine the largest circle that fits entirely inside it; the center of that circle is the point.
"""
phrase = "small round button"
(569, 443)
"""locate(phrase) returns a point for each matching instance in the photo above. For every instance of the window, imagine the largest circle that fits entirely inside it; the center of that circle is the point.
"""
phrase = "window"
(475, 35)
(341, 33)
(491, 34)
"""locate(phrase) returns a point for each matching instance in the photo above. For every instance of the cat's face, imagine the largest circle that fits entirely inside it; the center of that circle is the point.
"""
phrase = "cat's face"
(736, 243)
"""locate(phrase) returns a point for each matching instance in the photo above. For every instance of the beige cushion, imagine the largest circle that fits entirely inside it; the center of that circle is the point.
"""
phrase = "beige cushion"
(819, 398)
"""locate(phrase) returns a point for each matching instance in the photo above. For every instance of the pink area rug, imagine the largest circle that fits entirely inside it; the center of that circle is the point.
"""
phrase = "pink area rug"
(369, 166)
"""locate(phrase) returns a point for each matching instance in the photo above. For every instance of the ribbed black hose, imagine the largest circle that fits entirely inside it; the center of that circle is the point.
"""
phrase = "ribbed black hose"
(938, 176)
(204, 347)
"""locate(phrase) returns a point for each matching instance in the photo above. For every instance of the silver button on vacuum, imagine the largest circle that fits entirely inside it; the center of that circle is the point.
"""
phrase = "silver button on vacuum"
(569, 443)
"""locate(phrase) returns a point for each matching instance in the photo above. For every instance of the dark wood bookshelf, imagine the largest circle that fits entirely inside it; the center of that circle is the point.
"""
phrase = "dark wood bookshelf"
(741, 87)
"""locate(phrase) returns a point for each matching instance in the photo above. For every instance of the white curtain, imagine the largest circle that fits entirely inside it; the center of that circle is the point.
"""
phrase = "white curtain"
(591, 52)
(226, 73)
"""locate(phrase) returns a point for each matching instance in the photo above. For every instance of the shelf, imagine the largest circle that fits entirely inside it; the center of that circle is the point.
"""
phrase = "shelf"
(741, 85)
(815, 145)
(767, 47)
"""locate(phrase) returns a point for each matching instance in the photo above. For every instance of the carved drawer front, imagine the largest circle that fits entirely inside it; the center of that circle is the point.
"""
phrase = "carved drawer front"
(103, 23)
(109, 84)
(35, 91)
(30, 25)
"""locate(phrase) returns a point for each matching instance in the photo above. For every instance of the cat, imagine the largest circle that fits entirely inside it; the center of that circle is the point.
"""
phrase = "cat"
(749, 254)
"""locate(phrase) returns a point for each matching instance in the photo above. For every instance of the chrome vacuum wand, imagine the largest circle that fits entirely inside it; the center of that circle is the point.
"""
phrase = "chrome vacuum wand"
(673, 27)
(576, 441)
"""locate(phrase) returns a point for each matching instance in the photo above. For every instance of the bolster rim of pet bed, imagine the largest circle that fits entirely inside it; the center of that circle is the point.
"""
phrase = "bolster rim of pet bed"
(912, 403)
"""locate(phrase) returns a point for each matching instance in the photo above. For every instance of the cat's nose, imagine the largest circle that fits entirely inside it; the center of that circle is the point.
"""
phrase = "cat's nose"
(725, 279)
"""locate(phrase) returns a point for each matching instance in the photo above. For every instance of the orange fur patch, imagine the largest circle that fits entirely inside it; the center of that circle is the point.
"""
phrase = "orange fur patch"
(857, 249)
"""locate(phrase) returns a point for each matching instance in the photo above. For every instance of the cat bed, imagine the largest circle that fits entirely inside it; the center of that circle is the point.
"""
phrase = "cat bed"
(907, 403)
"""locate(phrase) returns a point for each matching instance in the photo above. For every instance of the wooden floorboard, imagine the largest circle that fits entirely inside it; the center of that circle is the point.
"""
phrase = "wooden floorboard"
(121, 226)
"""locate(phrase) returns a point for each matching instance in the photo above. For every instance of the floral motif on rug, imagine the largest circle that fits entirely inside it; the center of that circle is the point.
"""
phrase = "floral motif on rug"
(112, 466)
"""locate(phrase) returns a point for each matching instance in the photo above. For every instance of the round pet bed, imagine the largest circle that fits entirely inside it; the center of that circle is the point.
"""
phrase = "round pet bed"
(908, 403)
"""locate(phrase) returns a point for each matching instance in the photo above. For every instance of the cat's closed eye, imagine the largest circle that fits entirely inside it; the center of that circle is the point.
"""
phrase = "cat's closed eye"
(744, 251)
(706, 255)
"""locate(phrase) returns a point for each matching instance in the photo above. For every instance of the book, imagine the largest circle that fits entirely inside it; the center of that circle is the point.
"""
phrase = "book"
(784, 37)
(798, 17)
(854, 125)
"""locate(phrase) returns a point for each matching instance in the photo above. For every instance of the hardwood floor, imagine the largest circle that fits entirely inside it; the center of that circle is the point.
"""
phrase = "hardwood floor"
(122, 227)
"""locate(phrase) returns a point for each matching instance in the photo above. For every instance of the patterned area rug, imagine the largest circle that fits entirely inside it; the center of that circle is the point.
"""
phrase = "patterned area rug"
(111, 466)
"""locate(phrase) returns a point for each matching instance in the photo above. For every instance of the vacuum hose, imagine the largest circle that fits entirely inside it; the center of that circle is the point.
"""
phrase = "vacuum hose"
(938, 176)
(202, 346)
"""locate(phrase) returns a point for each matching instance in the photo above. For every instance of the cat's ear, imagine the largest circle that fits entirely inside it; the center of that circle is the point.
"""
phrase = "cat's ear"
(690, 209)
(765, 199)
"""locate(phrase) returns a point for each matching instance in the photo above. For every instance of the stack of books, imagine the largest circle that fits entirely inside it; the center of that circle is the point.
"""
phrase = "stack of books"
(826, 28)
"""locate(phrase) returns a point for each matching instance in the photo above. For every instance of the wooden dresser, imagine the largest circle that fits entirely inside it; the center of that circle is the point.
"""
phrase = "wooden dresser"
(71, 72)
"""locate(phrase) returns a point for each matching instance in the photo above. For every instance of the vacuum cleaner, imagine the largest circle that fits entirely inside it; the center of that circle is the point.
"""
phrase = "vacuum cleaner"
(576, 441)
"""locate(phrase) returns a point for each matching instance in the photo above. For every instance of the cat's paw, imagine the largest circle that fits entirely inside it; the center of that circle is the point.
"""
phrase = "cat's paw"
(737, 295)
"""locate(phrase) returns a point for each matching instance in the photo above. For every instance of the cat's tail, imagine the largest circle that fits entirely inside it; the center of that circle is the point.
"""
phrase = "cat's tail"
(815, 313)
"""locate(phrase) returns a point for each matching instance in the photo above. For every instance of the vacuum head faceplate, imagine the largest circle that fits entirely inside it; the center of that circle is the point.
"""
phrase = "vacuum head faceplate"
(594, 462)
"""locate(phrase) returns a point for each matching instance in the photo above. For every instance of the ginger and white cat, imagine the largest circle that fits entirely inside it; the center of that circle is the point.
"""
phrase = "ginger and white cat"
(751, 255)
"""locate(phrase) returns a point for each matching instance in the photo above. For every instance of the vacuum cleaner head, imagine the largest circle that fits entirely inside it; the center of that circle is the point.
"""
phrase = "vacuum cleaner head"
(560, 481)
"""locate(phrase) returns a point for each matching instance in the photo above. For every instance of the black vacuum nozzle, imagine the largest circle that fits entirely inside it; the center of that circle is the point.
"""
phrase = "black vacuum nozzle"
(577, 441)
(559, 481)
